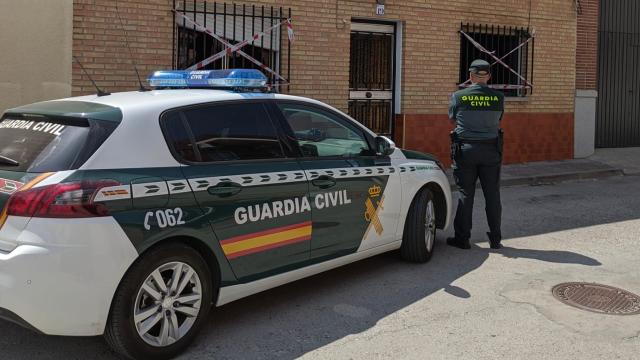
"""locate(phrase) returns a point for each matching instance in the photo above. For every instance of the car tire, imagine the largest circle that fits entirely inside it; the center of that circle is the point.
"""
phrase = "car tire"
(419, 235)
(181, 307)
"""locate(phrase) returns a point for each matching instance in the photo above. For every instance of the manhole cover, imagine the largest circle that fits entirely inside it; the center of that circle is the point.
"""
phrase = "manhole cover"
(602, 299)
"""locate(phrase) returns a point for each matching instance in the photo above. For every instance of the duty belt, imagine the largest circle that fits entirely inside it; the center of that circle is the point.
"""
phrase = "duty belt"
(477, 141)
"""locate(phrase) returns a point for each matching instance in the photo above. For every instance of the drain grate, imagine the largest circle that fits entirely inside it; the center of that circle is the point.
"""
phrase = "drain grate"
(598, 298)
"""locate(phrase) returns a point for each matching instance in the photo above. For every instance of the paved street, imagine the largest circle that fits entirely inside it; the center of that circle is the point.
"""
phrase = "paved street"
(475, 304)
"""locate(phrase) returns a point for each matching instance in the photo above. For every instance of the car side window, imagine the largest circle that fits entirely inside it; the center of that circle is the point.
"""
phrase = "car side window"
(323, 134)
(224, 132)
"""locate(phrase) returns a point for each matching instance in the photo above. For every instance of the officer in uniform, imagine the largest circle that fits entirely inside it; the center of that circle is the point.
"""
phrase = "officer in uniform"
(476, 151)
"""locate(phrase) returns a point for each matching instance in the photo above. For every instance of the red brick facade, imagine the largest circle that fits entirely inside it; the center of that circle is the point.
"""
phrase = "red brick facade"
(587, 45)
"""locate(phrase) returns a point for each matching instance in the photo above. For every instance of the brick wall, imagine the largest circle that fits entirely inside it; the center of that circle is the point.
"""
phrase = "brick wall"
(99, 42)
(587, 46)
(320, 55)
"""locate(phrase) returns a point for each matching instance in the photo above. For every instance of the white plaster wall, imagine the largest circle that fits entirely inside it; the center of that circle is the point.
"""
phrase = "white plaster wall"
(585, 123)
(35, 51)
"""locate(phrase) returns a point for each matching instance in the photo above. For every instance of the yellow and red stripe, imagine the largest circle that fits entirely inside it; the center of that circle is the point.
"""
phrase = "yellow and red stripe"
(3, 216)
(266, 240)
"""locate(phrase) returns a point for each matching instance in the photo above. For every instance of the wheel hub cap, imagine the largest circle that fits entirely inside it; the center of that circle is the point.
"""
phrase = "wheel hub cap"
(167, 303)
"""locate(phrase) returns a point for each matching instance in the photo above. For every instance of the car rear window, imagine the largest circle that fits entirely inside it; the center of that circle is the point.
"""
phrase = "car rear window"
(30, 143)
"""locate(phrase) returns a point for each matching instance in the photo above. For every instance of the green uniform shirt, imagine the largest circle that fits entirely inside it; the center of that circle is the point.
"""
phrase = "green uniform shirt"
(477, 111)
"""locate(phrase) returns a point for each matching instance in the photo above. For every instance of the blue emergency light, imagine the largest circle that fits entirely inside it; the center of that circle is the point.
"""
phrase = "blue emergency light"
(215, 79)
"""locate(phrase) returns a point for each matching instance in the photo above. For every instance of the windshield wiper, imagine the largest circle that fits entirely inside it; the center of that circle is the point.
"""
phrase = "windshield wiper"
(8, 161)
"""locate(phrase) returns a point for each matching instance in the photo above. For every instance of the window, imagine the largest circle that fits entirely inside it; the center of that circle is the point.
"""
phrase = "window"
(233, 24)
(320, 133)
(40, 144)
(225, 132)
(504, 42)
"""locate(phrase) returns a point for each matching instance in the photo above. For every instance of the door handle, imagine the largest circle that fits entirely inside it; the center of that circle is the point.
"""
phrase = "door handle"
(324, 182)
(225, 189)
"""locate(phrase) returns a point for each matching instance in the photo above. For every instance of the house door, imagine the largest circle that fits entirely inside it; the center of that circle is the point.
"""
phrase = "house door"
(372, 75)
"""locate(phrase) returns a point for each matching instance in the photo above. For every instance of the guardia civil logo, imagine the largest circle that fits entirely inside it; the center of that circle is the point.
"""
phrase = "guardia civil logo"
(479, 101)
(297, 205)
(373, 205)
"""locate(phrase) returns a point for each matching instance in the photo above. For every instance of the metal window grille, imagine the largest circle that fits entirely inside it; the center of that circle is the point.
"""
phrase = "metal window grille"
(234, 23)
(514, 45)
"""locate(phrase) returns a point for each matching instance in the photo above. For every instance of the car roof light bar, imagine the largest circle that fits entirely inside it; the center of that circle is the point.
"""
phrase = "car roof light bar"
(214, 79)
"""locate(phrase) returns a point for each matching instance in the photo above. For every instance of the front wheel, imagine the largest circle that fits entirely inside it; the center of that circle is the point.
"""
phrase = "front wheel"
(160, 304)
(419, 235)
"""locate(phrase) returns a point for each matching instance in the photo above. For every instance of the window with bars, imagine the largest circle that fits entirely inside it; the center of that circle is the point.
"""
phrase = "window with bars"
(513, 46)
(233, 23)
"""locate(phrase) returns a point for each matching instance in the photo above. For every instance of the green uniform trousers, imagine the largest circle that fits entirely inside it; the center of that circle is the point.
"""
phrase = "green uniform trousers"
(471, 162)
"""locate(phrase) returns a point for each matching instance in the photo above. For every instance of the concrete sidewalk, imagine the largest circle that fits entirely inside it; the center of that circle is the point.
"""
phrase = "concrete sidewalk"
(627, 159)
(604, 163)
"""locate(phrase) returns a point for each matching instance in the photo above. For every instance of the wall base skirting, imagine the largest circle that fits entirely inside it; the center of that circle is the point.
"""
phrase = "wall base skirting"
(528, 136)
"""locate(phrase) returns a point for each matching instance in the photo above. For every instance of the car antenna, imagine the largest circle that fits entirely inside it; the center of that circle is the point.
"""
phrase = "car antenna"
(99, 91)
(126, 41)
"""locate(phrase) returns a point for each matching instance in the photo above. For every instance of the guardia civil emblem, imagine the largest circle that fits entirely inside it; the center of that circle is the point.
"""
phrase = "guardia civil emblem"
(373, 206)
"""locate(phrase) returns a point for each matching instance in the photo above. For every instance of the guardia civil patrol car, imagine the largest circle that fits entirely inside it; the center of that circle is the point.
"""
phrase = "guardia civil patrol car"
(129, 214)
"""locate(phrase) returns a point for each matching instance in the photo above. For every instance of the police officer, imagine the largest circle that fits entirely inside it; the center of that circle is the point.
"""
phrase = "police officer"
(477, 153)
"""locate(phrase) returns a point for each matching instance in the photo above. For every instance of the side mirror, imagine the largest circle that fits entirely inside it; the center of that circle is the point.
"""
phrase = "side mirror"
(384, 146)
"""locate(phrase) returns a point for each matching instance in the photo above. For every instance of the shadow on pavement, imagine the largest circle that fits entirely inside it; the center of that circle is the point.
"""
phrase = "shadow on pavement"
(560, 257)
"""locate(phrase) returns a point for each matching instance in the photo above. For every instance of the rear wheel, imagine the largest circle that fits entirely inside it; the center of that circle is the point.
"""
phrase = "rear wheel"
(419, 235)
(161, 304)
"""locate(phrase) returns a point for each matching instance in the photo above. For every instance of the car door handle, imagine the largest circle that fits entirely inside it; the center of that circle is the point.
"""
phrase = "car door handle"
(324, 182)
(225, 189)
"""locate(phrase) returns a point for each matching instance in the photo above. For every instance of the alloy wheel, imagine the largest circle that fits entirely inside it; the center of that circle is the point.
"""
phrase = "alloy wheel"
(167, 304)
(430, 226)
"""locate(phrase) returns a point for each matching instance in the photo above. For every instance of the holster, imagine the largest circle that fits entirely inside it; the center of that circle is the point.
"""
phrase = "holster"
(456, 146)
(500, 143)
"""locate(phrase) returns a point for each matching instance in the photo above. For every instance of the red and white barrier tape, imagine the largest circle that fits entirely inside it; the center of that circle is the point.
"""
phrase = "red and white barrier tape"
(502, 58)
(229, 46)
(234, 48)
(497, 60)
(290, 33)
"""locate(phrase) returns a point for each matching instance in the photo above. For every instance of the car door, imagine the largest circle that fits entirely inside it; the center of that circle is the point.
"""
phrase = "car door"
(252, 191)
(349, 184)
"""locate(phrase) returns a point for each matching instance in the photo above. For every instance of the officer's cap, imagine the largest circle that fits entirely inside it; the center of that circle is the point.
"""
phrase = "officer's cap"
(480, 67)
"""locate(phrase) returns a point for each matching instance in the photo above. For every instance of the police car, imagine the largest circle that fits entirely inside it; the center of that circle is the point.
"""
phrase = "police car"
(129, 214)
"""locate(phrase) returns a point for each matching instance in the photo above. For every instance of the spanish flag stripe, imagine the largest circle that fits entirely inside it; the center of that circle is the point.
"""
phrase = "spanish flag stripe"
(268, 247)
(266, 232)
(266, 240)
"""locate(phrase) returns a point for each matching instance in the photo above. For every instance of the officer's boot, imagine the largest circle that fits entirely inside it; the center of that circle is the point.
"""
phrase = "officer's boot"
(494, 241)
(461, 244)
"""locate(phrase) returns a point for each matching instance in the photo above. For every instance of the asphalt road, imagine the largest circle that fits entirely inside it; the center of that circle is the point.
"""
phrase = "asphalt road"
(475, 304)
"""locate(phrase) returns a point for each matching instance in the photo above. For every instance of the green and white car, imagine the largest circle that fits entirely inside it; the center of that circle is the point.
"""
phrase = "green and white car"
(130, 214)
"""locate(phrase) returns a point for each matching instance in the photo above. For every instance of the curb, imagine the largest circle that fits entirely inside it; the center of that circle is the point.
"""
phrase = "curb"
(555, 178)
(562, 177)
